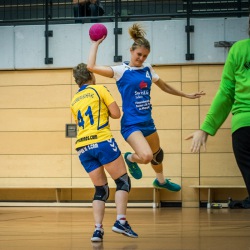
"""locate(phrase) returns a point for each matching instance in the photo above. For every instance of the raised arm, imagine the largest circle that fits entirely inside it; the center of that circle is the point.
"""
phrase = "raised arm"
(168, 89)
(91, 65)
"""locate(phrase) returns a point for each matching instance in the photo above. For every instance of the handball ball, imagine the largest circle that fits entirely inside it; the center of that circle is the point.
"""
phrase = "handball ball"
(97, 31)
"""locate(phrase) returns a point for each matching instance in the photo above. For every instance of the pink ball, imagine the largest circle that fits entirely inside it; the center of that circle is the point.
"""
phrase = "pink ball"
(97, 31)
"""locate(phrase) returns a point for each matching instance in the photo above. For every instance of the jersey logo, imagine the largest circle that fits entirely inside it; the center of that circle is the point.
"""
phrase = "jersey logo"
(143, 85)
(148, 75)
(112, 144)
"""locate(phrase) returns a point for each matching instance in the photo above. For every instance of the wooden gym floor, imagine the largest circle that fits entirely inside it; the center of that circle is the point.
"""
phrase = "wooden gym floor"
(65, 228)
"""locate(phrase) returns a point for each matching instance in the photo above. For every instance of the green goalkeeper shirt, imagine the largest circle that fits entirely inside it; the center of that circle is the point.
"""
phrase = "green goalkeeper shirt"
(234, 91)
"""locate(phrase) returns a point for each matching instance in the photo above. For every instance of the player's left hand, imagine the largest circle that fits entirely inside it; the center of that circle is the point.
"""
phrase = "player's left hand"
(199, 138)
(195, 95)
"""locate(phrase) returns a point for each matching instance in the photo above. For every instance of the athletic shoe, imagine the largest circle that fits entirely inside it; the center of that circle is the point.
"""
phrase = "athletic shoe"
(124, 229)
(97, 235)
(168, 185)
(235, 204)
(246, 203)
(133, 167)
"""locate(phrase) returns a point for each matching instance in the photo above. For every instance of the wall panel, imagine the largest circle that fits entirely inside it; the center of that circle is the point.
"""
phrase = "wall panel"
(34, 119)
(161, 98)
(7, 45)
(34, 143)
(35, 166)
(53, 96)
(35, 77)
(34, 152)
(23, 47)
(220, 164)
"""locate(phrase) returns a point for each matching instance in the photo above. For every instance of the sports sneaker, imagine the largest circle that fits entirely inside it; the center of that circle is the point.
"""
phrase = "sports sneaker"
(168, 185)
(97, 235)
(246, 203)
(133, 167)
(124, 229)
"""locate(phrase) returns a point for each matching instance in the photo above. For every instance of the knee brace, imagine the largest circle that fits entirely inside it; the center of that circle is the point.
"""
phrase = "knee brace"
(158, 157)
(101, 193)
(123, 183)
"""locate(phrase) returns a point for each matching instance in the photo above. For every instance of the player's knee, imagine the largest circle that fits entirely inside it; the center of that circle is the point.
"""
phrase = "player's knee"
(101, 193)
(158, 157)
(146, 157)
(123, 183)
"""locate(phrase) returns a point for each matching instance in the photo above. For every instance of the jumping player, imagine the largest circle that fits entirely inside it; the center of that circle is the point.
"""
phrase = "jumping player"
(134, 80)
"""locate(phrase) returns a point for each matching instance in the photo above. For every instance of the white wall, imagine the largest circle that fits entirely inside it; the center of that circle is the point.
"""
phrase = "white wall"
(7, 59)
(23, 47)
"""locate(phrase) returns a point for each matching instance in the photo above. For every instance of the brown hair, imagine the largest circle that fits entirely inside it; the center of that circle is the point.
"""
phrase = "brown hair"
(82, 74)
(137, 33)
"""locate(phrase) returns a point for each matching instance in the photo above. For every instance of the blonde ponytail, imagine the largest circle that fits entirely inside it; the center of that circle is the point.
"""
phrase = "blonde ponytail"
(137, 33)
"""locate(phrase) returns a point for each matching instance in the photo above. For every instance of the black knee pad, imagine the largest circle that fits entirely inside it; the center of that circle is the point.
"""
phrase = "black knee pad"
(101, 193)
(123, 183)
(158, 157)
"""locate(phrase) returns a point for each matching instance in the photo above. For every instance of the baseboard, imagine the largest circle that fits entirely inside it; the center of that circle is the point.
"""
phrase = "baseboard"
(171, 204)
(70, 204)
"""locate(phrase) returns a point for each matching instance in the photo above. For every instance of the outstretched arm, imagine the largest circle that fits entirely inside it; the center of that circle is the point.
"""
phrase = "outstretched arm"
(168, 89)
(91, 65)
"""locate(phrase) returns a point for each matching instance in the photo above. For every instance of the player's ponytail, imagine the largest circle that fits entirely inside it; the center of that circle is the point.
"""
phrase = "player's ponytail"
(137, 33)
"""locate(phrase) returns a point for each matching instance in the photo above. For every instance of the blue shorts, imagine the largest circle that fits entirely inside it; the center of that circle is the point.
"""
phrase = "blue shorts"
(96, 155)
(147, 128)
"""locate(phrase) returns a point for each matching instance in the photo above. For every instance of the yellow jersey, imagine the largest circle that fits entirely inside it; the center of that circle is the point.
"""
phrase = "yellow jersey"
(89, 107)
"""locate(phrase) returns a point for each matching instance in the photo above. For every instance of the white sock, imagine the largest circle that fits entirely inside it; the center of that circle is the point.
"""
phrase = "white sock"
(160, 177)
(129, 157)
(121, 218)
(98, 227)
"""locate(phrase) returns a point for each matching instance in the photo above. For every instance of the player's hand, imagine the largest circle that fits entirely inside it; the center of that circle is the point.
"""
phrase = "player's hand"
(99, 41)
(199, 138)
(195, 95)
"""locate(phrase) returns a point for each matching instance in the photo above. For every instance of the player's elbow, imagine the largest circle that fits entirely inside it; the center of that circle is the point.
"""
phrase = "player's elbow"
(90, 67)
(116, 114)
(114, 110)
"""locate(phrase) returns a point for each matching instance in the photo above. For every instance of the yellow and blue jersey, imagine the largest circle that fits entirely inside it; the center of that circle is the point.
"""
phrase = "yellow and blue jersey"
(89, 107)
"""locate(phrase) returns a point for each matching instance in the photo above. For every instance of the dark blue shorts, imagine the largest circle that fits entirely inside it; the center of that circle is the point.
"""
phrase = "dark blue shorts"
(96, 155)
(147, 128)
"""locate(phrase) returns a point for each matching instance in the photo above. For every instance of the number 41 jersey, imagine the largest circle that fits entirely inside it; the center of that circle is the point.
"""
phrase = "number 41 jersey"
(89, 108)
